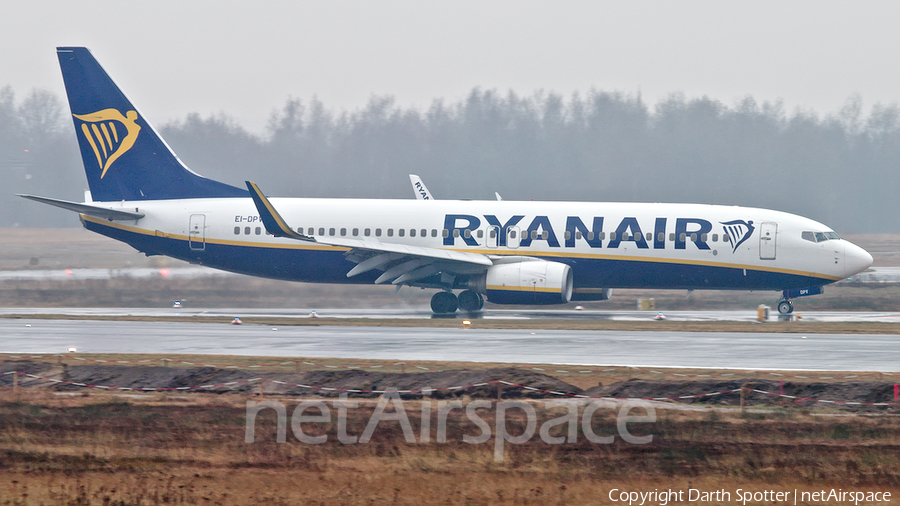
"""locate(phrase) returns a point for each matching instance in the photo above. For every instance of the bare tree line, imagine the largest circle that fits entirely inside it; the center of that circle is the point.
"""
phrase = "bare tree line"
(600, 146)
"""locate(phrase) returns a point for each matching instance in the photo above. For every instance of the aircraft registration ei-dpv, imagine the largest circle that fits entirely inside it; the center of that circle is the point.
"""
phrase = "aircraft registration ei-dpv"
(507, 252)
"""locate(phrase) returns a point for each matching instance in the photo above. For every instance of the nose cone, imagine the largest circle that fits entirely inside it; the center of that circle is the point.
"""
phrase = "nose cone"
(856, 259)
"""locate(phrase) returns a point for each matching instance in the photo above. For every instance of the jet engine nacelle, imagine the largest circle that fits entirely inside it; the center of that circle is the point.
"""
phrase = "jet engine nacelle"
(529, 282)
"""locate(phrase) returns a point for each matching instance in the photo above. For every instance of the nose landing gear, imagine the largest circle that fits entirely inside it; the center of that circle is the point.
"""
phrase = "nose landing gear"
(785, 307)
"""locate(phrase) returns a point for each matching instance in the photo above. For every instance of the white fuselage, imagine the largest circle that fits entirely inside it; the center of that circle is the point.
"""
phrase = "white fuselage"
(608, 245)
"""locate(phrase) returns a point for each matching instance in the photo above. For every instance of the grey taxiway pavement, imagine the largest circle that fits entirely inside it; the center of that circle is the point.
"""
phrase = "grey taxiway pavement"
(658, 349)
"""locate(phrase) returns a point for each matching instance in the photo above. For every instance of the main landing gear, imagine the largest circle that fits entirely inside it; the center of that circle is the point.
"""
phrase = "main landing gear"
(447, 303)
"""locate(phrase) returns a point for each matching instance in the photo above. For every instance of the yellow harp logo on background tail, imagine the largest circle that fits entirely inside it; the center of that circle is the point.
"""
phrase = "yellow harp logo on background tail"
(110, 134)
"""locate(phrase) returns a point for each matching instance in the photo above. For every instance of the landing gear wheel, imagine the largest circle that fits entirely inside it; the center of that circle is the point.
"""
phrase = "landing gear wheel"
(444, 303)
(471, 301)
(785, 307)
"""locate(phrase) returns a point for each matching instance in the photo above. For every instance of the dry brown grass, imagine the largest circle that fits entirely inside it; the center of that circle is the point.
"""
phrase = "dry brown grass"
(161, 448)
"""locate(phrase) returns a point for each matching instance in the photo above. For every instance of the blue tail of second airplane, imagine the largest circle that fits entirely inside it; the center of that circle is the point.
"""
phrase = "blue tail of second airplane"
(124, 157)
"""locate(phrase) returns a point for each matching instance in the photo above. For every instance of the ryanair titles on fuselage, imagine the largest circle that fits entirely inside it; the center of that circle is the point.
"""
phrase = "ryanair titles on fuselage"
(694, 230)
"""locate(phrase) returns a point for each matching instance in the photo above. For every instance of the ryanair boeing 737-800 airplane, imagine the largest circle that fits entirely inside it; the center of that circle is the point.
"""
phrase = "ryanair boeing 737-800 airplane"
(507, 252)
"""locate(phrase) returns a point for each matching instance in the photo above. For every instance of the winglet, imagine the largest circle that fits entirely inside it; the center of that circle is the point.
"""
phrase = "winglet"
(419, 188)
(273, 221)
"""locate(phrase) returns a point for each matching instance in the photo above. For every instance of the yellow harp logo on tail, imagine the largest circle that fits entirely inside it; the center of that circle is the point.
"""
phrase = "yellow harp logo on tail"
(110, 134)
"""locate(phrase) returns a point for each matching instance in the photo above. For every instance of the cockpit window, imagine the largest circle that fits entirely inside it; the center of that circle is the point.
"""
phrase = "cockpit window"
(819, 236)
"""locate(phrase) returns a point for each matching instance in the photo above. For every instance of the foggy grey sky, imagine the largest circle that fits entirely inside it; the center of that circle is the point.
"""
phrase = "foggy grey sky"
(247, 58)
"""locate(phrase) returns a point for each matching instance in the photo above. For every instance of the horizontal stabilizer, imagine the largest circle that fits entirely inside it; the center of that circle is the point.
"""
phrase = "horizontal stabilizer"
(91, 210)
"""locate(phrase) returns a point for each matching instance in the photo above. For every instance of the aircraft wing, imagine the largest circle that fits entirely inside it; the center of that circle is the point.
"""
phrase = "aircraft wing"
(402, 264)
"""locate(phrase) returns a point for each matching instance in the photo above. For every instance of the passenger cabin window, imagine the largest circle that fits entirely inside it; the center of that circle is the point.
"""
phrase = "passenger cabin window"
(434, 232)
(258, 230)
(577, 234)
(321, 231)
(412, 232)
(445, 233)
(237, 230)
(390, 232)
(424, 232)
(330, 231)
(377, 232)
(400, 232)
(246, 230)
(355, 232)
(310, 231)
(367, 232)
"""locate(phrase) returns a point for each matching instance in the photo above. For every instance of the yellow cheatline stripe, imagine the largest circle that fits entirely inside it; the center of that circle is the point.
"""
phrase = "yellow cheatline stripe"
(87, 135)
(524, 289)
(597, 256)
(141, 231)
(152, 233)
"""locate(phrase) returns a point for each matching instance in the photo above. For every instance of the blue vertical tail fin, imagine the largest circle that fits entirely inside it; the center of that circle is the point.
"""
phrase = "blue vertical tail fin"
(124, 157)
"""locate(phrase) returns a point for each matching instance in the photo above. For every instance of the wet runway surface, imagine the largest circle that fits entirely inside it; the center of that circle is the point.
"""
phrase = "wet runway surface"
(658, 349)
(425, 313)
